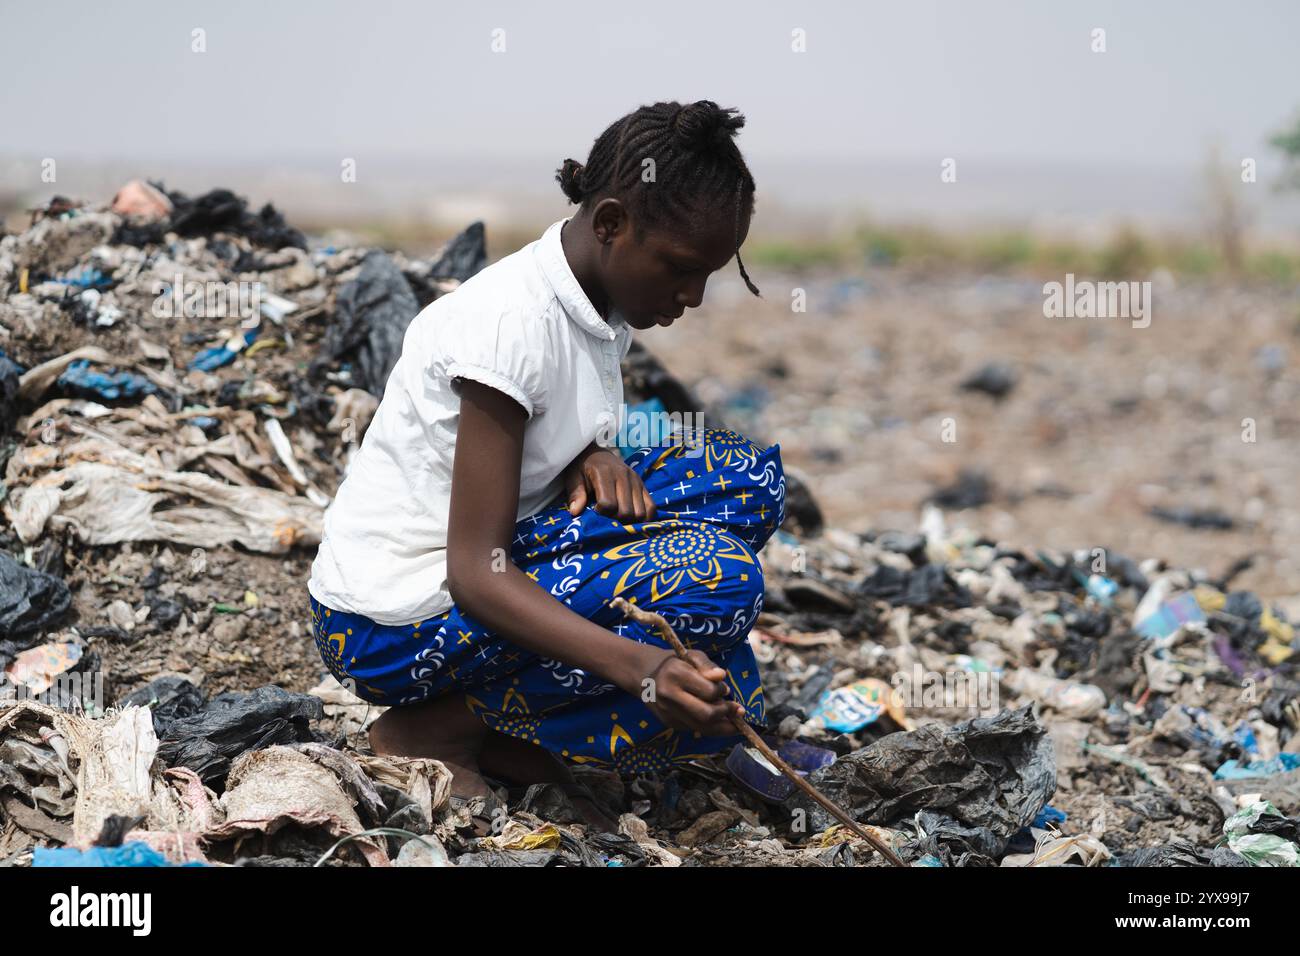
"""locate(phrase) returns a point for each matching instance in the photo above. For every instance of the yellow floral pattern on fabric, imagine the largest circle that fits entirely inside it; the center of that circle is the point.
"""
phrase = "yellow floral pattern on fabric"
(673, 551)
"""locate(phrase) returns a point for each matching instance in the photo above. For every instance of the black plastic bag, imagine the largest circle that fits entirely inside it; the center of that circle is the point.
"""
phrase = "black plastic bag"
(217, 210)
(953, 844)
(9, 376)
(461, 259)
(235, 722)
(928, 586)
(171, 698)
(31, 601)
(371, 315)
(992, 773)
(1180, 853)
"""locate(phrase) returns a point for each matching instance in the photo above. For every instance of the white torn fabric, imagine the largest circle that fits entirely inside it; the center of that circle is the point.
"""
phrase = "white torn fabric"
(269, 788)
(117, 775)
(425, 780)
(351, 712)
(115, 480)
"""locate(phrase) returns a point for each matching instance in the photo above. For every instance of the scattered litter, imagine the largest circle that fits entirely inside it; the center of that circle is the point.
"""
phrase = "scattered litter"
(172, 457)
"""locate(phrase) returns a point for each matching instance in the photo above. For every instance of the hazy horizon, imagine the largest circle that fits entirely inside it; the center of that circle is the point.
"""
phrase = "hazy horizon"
(1046, 133)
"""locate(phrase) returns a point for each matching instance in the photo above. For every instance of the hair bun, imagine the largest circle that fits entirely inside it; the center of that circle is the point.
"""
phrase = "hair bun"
(569, 176)
(703, 124)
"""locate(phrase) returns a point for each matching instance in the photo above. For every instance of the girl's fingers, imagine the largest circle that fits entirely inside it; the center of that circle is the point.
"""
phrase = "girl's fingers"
(606, 498)
(705, 667)
(706, 686)
(645, 503)
(577, 499)
(624, 492)
(718, 723)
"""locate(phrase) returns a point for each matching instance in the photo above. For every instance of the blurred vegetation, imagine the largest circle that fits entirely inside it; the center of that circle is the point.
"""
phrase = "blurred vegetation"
(1126, 254)
(1288, 143)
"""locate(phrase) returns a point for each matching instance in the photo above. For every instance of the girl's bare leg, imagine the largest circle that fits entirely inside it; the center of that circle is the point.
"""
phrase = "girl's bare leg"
(443, 729)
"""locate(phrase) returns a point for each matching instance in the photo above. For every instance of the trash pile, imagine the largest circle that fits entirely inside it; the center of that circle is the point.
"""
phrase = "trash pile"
(184, 381)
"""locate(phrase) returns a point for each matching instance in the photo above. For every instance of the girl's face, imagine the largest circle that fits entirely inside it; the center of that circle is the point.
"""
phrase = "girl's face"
(652, 282)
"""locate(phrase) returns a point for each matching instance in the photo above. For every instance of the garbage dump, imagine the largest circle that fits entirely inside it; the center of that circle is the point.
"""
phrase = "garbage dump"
(183, 382)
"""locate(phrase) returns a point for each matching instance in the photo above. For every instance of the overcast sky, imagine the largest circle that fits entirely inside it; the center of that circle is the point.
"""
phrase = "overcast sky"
(1006, 80)
(1046, 133)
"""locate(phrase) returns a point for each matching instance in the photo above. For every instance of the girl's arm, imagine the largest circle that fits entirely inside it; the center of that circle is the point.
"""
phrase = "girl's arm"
(489, 587)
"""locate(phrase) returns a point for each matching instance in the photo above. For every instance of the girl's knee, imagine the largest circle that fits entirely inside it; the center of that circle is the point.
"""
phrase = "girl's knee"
(715, 607)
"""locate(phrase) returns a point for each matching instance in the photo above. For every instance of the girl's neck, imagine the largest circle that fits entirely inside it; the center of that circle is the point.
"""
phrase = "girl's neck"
(578, 252)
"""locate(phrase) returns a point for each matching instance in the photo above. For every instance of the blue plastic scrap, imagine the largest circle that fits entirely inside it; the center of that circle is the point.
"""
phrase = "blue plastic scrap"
(87, 277)
(110, 386)
(1048, 814)
(1173, 613)
(135, 853)
(214, 358)
(1234, 770)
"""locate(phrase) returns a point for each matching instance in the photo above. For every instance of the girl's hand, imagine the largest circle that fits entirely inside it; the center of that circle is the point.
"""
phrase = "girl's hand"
(686, 698)
(599, 475)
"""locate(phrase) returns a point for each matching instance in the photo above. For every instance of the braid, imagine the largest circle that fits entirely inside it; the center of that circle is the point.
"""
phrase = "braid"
(697, 169)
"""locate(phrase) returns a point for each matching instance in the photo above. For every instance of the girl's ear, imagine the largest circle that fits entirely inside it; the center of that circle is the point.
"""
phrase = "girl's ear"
(609, 220)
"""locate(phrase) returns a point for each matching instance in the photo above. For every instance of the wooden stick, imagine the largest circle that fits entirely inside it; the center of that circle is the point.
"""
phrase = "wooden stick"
(651, 619)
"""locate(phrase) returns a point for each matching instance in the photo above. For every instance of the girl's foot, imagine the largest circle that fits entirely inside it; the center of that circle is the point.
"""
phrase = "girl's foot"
(442, 729)
(518, 762)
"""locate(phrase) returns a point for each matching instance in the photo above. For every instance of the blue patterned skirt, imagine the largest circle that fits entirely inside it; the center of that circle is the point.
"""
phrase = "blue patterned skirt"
(718, 498)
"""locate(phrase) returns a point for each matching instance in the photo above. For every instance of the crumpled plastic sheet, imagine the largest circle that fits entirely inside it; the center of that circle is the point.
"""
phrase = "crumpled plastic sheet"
(992, 774)
(1180, 853)
(35, 382)
(88, 775)
(371, 315)
(135, 853)
(108, 493)
(32, 765)
(425, 781)
(235, 722)
(81, 379)
(272, 787)
(168, 698)
(31, 602)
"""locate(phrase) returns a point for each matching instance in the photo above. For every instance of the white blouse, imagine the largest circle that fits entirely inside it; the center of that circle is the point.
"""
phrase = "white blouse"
(522, 326)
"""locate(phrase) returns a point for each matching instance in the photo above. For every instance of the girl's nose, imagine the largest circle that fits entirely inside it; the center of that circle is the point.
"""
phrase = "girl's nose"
(692, 296)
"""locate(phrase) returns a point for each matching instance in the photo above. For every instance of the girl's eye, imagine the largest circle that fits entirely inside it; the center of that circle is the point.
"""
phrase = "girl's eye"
(680, 269)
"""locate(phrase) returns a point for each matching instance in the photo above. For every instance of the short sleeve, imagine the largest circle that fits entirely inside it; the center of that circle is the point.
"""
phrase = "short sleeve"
(506, 352)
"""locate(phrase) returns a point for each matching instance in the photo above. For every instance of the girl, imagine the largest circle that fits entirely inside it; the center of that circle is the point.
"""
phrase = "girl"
(468, 561)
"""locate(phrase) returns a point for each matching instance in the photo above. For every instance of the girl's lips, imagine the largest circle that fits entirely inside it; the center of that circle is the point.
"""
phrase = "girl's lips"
(667, 320)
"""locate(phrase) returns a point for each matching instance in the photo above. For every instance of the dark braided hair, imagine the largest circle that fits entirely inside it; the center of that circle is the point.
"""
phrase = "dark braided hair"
(698, 171)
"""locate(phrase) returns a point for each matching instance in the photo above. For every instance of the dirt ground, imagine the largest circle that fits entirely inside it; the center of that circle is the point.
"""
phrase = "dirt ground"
(1106, 421)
